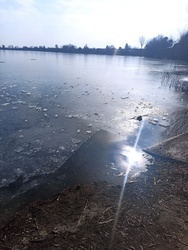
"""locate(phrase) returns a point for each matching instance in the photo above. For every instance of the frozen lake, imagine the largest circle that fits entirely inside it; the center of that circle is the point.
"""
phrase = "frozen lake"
(50, 103)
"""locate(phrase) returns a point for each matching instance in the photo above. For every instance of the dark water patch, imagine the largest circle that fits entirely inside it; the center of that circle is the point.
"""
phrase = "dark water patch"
(100, 158)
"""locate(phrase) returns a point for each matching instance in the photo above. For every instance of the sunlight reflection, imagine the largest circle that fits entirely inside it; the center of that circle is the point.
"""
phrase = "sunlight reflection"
(132, 158)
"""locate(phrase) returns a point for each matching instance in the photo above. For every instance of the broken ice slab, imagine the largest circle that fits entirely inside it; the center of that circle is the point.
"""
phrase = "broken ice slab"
(25, 92)
(124, 97)
(32, 106)
(155, 120)
(62, 148)
(71, 116)
(18, 150)
(21, 102)
(75, 141)
(5, 104)
(112, 166)
(89, 125)
(164, 118)
(38, 108)
(152, 122)
(120, 174)
(164, 124)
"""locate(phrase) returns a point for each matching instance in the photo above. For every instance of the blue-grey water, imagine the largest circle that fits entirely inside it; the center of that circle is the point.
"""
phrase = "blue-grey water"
(51, 102)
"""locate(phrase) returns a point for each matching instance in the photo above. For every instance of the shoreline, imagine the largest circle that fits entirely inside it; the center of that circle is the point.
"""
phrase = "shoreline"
(151, 201)
(84, 215)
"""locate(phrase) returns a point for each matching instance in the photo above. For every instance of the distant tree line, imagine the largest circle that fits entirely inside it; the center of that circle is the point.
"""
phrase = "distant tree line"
(109, 50)
(163, 47)
(158, 47)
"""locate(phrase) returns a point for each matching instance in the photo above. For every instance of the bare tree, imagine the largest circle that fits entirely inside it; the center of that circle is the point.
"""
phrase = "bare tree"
(142, 41)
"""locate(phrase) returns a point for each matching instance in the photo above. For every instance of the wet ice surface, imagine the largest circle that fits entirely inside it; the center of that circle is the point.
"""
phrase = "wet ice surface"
(39, 133)
(47, 111)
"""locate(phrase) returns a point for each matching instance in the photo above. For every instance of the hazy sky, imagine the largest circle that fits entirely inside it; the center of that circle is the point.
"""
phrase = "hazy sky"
(96, 23)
